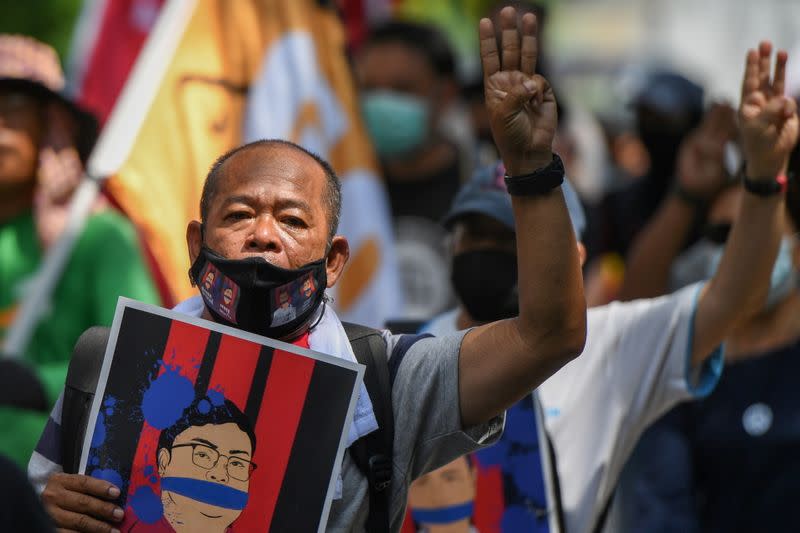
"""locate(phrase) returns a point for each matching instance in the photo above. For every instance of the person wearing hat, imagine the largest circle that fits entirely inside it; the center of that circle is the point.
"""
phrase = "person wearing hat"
(44, 141)
(640, 358)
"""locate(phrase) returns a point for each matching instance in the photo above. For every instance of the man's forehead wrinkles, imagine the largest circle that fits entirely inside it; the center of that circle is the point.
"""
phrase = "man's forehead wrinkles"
(262, 196)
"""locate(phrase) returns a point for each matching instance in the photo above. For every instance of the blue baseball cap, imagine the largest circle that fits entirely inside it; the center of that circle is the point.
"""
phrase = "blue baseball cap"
(486, 194)
(669, 92)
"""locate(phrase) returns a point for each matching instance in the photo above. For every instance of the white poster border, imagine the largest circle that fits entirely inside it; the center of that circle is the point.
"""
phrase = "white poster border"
(128, 303)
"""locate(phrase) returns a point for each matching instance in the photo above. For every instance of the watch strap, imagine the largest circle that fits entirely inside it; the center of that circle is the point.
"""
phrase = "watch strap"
(539, 182)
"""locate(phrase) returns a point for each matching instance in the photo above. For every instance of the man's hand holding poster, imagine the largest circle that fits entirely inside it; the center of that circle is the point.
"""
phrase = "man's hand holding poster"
(206, 428)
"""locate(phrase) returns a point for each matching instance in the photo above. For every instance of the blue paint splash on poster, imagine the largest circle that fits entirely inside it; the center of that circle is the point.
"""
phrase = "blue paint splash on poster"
(108, 474)
(166, 398)
(147, 505)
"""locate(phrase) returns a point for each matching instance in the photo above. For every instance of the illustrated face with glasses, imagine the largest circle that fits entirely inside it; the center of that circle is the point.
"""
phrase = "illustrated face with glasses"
(216, 453)
(205, 455)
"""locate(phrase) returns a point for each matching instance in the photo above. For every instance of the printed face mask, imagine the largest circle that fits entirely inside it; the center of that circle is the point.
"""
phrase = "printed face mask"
(397, 122)
(486, 283)
(257, 296)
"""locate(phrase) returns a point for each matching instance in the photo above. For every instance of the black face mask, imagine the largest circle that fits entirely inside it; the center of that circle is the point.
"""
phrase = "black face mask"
(486, 283)
(427, 196)
(256, 296)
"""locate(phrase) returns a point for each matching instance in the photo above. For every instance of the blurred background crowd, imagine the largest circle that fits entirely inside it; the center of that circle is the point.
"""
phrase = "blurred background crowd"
(390, 91)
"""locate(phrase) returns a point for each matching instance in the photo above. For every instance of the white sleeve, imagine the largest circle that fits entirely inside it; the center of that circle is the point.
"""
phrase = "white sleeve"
(635, 367)
(651, 363)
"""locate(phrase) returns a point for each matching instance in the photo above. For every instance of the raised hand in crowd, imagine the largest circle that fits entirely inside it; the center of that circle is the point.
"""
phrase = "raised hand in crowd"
(740, 282)
(551, 327)
(701, 175)
(521, 104)
(701, 171)
(767, 117)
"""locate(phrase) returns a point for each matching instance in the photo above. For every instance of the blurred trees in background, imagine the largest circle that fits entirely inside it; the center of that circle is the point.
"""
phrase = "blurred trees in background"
(51, 21)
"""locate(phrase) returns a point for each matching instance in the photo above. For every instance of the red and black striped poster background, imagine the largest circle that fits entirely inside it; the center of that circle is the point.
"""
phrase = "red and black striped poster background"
(298, 406)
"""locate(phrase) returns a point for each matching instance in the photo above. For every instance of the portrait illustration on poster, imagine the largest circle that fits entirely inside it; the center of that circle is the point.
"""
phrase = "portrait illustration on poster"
(207, 428)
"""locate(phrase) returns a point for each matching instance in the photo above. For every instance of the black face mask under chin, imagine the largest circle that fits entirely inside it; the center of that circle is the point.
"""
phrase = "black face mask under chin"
(259, 297)
(486, 283)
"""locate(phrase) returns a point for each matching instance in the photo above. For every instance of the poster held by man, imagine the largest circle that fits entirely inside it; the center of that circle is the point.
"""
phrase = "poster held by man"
(194, 420)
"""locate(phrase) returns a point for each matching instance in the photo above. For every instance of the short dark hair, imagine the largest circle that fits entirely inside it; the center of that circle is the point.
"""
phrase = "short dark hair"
(333, 188)
(207, 410)
(424, 38)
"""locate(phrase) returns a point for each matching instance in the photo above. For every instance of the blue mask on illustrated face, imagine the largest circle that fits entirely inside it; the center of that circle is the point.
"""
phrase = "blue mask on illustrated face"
(784, 278)
(397, 122)
(442, 515)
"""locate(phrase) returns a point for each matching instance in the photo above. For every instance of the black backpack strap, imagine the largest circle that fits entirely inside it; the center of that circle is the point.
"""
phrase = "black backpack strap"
(373, 453)
(82, 376)
(601, 520)
(556, 484)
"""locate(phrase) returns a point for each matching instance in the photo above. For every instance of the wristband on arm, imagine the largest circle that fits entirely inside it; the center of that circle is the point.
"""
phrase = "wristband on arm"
(765, 188)
(539, 182)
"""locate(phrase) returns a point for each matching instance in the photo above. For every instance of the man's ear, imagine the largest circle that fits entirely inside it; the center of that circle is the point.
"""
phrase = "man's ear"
(337, 258)
(194, 239)
(163, 460)
(581, 253)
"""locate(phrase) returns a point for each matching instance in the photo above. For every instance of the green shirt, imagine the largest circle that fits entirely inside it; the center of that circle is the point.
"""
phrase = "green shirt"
(106, 263)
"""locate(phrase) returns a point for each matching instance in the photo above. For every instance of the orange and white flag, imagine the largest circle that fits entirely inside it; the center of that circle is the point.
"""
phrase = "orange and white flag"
(248, 69)
(304, 92)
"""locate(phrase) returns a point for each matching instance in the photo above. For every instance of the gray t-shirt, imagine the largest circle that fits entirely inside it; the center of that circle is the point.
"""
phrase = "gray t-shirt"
(427, 429)
(427, 422)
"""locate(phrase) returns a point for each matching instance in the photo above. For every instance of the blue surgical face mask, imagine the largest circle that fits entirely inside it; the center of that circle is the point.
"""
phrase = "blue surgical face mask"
(694, 264)
(397, 122)
(784, 277)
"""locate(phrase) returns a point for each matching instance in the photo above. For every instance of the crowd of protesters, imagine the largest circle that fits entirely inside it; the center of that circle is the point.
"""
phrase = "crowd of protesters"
(684, 231)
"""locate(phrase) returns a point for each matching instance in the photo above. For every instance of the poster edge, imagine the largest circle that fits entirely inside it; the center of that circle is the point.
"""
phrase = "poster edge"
(337, 465)
(238, 333)
(102, 381)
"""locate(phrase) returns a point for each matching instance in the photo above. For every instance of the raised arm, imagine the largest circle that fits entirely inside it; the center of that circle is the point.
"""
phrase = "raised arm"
(700, 176)
(502, 361)
(769, 125)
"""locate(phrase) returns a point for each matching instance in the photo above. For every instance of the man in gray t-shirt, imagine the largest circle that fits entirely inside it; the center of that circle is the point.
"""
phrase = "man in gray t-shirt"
(269, 212)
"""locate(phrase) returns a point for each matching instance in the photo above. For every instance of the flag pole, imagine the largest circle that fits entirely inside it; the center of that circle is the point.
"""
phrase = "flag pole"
(109, 154)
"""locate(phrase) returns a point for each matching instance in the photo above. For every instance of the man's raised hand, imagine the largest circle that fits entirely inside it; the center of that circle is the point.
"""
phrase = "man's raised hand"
(521, 104)
(767, 118)
(701, 161)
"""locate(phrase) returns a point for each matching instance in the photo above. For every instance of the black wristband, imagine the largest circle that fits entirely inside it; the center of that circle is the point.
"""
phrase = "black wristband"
(538, 182)
(765, 187)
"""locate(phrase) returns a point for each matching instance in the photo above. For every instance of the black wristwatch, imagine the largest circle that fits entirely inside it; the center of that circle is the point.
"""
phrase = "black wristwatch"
(538, 182)
(766, 187)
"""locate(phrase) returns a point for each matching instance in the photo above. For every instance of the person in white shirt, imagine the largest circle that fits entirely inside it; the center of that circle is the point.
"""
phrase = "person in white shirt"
(641, 357)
